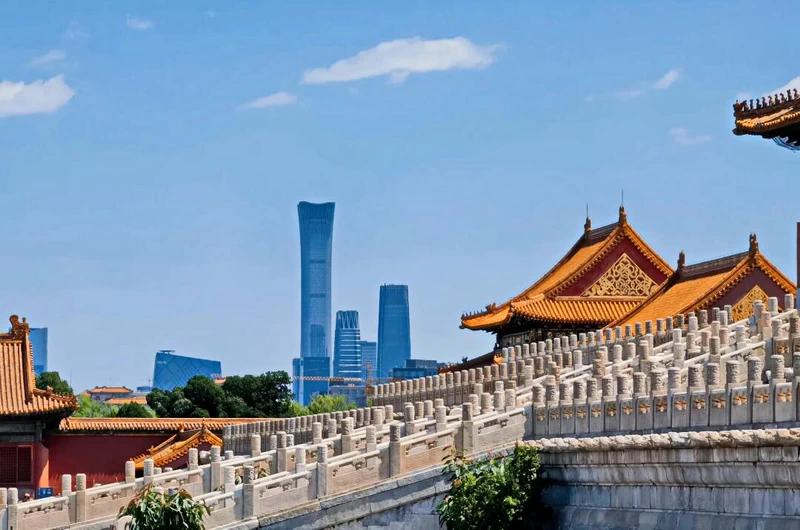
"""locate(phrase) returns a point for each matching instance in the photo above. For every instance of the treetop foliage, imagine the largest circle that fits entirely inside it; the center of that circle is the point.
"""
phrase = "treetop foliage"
(54, 381)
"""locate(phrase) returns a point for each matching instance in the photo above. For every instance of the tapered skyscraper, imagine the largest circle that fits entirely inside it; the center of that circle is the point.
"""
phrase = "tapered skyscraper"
(394, 329)
(316, 242)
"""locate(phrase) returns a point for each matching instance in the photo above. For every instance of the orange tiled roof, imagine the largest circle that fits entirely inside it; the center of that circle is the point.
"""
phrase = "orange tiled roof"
(173, 448)
(150, 424)
(141, 400)
(18, 393)
(109, 390)
(769, 116)
(698, 286)
(542, 301)
(480, 361)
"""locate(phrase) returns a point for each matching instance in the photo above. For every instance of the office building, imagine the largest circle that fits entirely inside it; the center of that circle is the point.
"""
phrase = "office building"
(38, 338)
(347, 345)
(316, 242)
(369, 359)
(175, 370)
(311, 377)
(415, 368)
(394, 329)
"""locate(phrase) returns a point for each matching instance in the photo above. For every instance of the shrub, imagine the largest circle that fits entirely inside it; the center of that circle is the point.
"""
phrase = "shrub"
(152, 510)
(501, 492)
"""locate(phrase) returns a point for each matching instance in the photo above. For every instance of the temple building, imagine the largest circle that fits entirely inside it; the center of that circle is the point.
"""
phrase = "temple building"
(606, 274)
(737, 280)
(774, 117)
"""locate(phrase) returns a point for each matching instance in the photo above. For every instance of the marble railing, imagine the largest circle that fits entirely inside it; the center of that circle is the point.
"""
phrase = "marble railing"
(707, 379)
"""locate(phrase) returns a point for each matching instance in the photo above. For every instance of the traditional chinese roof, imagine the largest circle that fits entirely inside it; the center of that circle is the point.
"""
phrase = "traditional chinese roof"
(150, 424)
(177, 446)
(700, 286)
(776, 117)
(560, 296)
(18, 393)
(141, 400)
(109, 390)
(476, 362)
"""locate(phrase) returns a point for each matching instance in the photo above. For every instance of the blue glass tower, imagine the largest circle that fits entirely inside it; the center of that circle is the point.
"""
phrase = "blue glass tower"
(175, 370)
(38, 338)
(313, 367)
(394, 329)
(316, 243)
(369, 358)
(347, 345)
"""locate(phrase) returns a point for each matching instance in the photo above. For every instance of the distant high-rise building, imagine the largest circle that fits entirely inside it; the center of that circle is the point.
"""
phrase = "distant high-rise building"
(347, 345)
(311, 378)
(38, 338)
(316, 242)
(175, 370)
(415, 368)
(394, 329)
(369, 359)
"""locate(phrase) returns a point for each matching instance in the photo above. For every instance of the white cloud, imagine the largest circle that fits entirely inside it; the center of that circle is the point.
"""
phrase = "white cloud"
(682, 136)
(667, 80)
(48, 58)
(278, 99)
(75, 31)
(791, 85)
(139, 24)
(38, 97)
(400, 58)
(641, 89)
(743, 96)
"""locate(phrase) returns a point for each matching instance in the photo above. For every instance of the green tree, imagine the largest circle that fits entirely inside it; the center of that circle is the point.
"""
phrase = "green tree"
(151, 510)
(266, 395)
(326, 403)
(53, 380)
(502, 492)
(296, 409)
(134, 410)
(88, 408)
(205, 395)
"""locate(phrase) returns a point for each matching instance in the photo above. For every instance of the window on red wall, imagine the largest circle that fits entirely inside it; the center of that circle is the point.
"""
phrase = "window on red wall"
(16, 465)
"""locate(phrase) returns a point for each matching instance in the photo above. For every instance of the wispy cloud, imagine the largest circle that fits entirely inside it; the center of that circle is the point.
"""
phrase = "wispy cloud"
(400, 58)
(278, 99)
(791, 85)
(139, 24)
(682, 136)
(53, 56)
(641, 89)
(38, 97)
(75, 31)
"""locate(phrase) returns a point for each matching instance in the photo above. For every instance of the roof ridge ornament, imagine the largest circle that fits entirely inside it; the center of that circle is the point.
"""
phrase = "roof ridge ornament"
(587, 226)
(623, 217)
(753, 250)
(19, 329)
(681, 260)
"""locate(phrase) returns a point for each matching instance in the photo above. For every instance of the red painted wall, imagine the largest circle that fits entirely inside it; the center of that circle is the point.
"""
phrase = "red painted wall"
(625, 247)
(756, 277)
(101, 457)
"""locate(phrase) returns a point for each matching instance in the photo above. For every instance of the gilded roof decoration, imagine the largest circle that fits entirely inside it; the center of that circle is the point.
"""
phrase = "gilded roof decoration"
(174, 447)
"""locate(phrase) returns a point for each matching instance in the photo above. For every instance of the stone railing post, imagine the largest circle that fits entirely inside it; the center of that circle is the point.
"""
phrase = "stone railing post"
(371, 438)
(150, 471)
(468, 431)
(215, 467)
(255, 445)
(282, 452)
(194, 463)
(3, 498)
(395, 454)
(80, 497)
(347, 435)
(441, 418)
(12, 508)
(248, 492)
(322, 471)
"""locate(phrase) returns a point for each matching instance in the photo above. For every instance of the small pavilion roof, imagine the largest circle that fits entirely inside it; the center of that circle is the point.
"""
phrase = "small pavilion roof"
(694, 287)
(177, 446)
(150, 424)
(18, 393)
(110, 390)
(776, 117)
(543, 301)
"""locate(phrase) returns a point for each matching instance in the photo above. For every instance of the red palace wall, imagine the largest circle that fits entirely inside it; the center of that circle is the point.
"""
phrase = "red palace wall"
(101, 457)
(625, 247)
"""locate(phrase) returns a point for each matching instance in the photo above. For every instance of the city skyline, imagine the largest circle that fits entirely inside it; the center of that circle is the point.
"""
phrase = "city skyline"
(157, 192)
(394, 328)
(347, 345)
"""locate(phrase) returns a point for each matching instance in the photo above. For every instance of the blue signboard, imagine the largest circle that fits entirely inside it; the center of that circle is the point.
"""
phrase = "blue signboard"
(42, 493)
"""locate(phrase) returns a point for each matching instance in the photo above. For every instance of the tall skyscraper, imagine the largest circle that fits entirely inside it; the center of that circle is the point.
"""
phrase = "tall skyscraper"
(369, 358)
(394, 329)
(347, 345)
(316, 242)
(38, 337)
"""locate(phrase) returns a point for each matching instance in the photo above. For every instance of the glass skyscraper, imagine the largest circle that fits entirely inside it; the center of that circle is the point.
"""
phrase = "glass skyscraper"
(38, 338)
(369, 359)
(313, 367)
(175, 370)
(347, 345)
(394, 329)
(316, 242)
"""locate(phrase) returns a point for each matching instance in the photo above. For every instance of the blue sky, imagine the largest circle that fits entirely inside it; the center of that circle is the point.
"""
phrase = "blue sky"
(152, 155)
